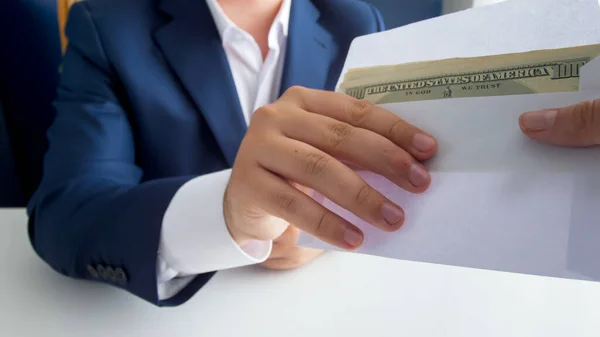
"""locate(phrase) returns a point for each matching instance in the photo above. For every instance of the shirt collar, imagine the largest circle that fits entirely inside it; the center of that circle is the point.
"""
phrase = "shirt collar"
(223, 22)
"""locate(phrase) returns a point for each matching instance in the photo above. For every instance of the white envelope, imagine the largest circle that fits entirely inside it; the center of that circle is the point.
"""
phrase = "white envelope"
(498, 200)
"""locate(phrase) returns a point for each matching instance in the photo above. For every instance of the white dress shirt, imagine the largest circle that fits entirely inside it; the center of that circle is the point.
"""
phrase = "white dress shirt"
(194, 237)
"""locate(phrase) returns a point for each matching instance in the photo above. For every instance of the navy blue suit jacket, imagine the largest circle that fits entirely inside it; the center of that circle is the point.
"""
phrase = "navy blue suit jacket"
(147, 102)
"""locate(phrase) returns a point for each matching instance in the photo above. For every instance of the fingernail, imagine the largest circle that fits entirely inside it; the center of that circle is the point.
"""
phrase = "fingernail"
(423, 142)
(538, 120)
(353, 236)
(417, 175)
(392, 214)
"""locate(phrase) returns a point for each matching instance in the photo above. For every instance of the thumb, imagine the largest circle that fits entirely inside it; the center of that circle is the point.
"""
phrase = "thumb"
(574, 126)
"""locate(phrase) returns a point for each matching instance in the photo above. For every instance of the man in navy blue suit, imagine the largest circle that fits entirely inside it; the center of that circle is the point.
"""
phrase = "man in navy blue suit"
(189, 132)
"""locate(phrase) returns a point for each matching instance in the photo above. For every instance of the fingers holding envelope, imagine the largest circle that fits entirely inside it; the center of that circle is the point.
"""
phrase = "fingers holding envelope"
(576, 125)
(309, 138)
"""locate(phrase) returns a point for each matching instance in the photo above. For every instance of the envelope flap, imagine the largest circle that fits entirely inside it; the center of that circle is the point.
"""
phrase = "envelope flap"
(508, 27)
(590, 73)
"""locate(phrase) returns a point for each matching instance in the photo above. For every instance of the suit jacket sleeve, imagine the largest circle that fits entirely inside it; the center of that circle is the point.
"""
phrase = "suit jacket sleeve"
(91, 213)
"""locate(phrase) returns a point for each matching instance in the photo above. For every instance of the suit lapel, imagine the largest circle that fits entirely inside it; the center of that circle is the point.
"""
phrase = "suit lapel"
(192, 46)
(310, 49)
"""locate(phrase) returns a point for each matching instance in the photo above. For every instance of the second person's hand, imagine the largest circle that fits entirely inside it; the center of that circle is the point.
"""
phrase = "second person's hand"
(577, 125)
(302, 140)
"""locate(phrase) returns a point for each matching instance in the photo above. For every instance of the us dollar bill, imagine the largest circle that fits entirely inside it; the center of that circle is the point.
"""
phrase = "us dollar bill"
(542, 71)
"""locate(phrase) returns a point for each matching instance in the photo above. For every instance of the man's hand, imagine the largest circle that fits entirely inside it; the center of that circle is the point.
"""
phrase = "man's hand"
(573, 126)
(286, 255)
(302, 140)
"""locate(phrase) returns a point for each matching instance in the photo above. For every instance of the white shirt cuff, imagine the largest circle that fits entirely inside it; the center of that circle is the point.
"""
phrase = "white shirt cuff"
(195, 239)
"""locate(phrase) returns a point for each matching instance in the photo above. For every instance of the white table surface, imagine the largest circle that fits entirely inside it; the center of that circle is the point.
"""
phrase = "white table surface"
(338, 295)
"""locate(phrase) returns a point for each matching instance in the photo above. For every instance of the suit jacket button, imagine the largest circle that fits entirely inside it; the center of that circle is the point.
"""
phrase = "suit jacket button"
(92, 271)
(110, 274)
(101, 271)
(120, 276)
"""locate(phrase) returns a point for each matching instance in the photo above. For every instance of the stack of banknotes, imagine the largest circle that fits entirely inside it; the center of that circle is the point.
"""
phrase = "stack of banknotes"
(542, 71)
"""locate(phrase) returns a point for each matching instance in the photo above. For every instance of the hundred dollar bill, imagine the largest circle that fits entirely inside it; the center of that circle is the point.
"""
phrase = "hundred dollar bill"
(542, 71)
